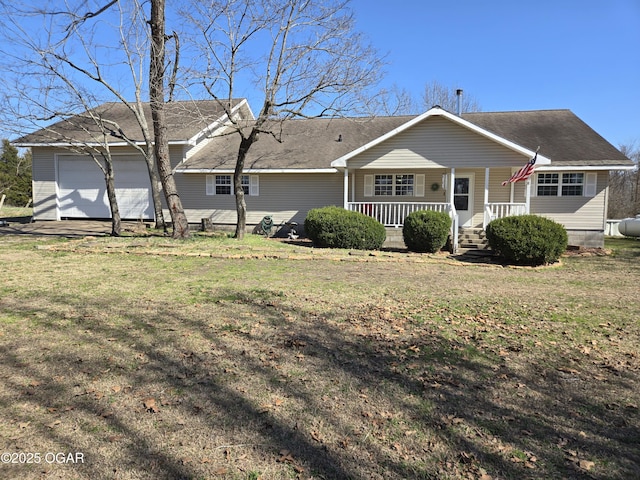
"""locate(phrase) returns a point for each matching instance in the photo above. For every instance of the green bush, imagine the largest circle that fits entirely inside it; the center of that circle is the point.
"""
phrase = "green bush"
(335, 227)
(426, 231)
(527, 239)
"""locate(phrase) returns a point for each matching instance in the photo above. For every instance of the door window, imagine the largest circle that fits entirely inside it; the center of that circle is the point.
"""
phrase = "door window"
(461, 193)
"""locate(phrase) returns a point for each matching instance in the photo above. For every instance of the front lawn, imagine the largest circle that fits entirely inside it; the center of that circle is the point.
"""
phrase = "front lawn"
(160, 359)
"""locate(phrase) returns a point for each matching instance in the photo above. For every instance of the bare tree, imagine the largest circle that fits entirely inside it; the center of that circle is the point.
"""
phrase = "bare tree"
(303, 56)
(399, 101)
(394, 101)
(156, 95)
(624, 186)
(435, 93)
(69, 49)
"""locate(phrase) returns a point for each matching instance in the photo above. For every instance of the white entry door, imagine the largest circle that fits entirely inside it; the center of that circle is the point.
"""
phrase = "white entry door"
(463, 199)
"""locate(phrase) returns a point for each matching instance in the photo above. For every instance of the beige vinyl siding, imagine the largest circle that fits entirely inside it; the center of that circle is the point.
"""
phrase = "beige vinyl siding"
(285, 196)
(437, 142)
(44, 184)
(576, 213)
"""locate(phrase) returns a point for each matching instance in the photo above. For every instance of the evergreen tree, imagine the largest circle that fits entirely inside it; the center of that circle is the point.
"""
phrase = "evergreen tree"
(15, 175)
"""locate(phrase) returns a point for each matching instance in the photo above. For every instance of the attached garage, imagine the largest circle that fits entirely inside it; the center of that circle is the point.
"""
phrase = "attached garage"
(82, 192)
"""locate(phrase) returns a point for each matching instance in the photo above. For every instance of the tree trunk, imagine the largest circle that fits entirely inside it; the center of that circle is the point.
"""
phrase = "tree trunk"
(241, 206)
(156, 190)
(156, 97)
(116, 224)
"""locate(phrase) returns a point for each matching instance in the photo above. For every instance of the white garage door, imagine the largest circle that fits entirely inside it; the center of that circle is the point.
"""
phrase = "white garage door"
(82, 192)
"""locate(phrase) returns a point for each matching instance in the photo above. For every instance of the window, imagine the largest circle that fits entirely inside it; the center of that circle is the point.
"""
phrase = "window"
(399, 185)
(383, 185)
(404, 185)
(245, 184)
(394, 185)
(572, 184)
(556, 185)
(547, 184)
(223, 185)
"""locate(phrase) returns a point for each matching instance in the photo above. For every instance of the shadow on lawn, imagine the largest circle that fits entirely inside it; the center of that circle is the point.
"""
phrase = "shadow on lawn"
(455, 396)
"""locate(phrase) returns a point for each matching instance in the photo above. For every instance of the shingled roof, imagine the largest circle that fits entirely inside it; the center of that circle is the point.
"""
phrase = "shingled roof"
(315, 143)
(560, 134)
(185, 120)
(302, 144)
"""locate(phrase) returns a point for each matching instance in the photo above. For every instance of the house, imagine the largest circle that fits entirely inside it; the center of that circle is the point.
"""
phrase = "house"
(385, 167)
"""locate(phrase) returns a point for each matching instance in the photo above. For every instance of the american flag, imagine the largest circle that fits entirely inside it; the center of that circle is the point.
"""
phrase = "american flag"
(524, 173)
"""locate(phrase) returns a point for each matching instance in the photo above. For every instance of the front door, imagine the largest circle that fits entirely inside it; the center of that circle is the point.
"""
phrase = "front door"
(463, 199)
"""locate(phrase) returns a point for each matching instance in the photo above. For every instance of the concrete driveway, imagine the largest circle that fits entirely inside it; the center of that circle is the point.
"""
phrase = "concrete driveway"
(64, 228)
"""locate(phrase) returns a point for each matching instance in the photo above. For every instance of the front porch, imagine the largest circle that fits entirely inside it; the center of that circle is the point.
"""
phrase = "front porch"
(472, 197)
(392, 214)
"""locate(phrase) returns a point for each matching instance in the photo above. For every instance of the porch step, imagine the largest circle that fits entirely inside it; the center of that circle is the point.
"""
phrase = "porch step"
(473, 238)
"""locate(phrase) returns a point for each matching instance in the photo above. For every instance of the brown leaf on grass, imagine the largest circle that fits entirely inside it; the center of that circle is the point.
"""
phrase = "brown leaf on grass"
(221, 471)
(23, 425)
(116, 389)
(285, 457)
(586, 464)
(54, 424)
(150, 405)
(568, 370)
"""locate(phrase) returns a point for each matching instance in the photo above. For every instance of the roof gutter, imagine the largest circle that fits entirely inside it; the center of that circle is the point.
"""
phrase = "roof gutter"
(256, 170)
(582, 168)
(89, 144)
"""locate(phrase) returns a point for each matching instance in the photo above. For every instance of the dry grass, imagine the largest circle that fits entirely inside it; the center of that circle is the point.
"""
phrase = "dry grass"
(210, 359)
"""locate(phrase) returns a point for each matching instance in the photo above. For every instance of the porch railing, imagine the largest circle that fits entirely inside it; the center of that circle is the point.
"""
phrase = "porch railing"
(393, 214)
(493, 211)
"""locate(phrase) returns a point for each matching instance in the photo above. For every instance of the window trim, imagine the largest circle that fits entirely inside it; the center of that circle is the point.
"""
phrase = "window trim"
(589, 183)
(417, 185)
(251, 187)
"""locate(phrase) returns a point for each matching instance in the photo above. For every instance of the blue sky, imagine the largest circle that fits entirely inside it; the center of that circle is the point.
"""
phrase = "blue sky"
(583, 55)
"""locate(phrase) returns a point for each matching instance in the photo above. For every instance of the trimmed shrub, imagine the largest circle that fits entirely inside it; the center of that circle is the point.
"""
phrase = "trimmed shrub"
(335, 227)
(426, 231)
(527, 239)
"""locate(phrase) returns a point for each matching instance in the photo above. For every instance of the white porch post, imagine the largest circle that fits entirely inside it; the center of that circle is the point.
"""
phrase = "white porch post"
(353, 190)
(527, 196)
(486, 186)
(454, 225)
(486, 196)
(452, 183)
(346, 189)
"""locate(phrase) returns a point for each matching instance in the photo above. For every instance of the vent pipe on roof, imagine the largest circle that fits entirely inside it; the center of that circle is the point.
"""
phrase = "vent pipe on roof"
(459, 101)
